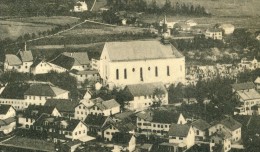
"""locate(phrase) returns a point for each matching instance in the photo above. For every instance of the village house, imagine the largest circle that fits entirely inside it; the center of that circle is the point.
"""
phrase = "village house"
(247, 64)
(33, 112)
(146, 94)
(220, 141)
(124, 142)
(30, 93)
(229, 125)
(41, 66)
(7, 119)
(91, 75)
(95, 64)
(80, 6)
(257, 83)
(157, 122)
(135, 62)
(214, 33)
(182, 135)
(200, 128)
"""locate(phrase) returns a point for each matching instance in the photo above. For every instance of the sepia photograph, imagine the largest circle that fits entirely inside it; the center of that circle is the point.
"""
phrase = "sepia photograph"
(129, 76)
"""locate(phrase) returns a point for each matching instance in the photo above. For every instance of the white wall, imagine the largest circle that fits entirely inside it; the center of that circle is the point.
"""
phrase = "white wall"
(10, 113)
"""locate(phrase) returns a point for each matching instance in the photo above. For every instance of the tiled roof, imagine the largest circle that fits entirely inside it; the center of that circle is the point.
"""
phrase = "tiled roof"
(178, 130)
(26, 56)
(44, 89)
(81, 58)
(124, 115)
(223, 134)
(140, 50)
(14, 90)
(62, 105)
(40, 109)
(7, 121)
(159, 116)
(95, 120)
(12, 60)
(200, 124)
(104, 105)
(145, 88)
(243, 86)
(124, 126)
(63, 61)
(121, 138)
(231, 123)
(248, 94)
(214, 30)
(4, 109)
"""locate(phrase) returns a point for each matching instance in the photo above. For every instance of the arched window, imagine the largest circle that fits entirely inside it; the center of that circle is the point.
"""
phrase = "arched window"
(156, 71)
(168, 71)
(125, 73)
(117, 74)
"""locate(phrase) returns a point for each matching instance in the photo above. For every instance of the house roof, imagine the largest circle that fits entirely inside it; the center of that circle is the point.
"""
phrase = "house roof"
(81, 58)
(7, 121)
(140, 50)
(25, 56)
(124, 115)
(145, 88)
(63, 105)
(44, 89)
(122, 138)
(104, 105)
(63, 61)
(36, 62)
(40, 109)
(248, 94)
(257, 80)
(95, 120)
(200, 124)
(12, 60)
(243, 86)
(85, 72)
(159, 116)
(124, 126)
(178, 130)
(4, 109)
(214, 30)
(231, 123)
(14, 90)
(223, 134)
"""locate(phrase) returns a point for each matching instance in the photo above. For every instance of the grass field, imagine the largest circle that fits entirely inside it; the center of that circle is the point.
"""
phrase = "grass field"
(31, 144)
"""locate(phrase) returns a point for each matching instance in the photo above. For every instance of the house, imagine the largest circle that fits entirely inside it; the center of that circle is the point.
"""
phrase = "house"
(227, 28)
(82, 76)
(229, 125)
(117, 127)
(6, 111)
(146, 94)
(66, 107)
(61, 129)
(12, 62)
(146, 147)
(135, 62)
(22, 94)
(191, 23)
(200, 129)
(123, 142)
(220, 140)
(81, 6)
(247, 64)
(67, 61)
(182, 135)
(169, 24)
(82, 109)
(157, 122)
(96, 124)
(126, 115)
(27, 60)
(106, 108)
(242, 86)
(33, 112)
(41, 66)
(257, 83)
(214, 33)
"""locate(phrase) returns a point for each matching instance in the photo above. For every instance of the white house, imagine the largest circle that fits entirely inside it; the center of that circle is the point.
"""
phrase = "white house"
(6, 111)
(12, 62)
(135, 62)
(27, 60)
(183, 135)
(220, 140)
(41, 67)
(200, 128)
(257, 83)
(145, 94)
(214, 33)
(229, 125)
(157, 122)
(106, 108)
(124, 141)
(81, 6)
(82, 76)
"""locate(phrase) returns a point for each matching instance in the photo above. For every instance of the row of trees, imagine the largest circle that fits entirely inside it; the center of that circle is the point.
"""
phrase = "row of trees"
(167, 8)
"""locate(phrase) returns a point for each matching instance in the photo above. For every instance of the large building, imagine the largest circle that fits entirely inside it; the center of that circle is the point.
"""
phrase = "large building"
(135, 62)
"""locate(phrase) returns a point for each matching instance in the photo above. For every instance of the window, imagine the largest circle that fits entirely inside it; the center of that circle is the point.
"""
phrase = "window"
(198, 132)
(125, 74)
(108, 133)
(156, 71)
(168, 71)
(141, 74)
(181, 138)
(117, 74)
(133, 69)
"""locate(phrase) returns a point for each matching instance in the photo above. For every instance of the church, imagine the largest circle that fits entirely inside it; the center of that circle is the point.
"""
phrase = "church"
(141, 61)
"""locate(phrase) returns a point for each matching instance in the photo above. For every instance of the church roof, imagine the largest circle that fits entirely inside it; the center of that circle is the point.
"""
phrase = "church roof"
(12, 60)
(140, 50)
(26, 56)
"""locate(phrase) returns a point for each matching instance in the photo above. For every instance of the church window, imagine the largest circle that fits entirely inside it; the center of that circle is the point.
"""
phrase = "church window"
(156, 71)
(125, 73)
(168, 71)
(117, 74)
(133, 69)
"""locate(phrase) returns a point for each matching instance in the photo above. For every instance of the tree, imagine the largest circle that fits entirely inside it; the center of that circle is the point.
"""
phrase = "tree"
(158, 94)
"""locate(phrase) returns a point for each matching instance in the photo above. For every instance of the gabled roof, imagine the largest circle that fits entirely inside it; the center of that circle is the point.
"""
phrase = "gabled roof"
(124, 115)
(231, 123)
(257, 80)
(7, 121)
(223, 134)
(44, 89)
(25, 56)
(140, 50)
(62, 105)
(109, 104)
(12, 60)
(85, 72)
(243, 86)
(40, 109)
(214, 30)
(248, 94)
(81, 58)
(124, 126)
(14, 90)
(95, 120)
(63, 61)
(121, 138)
(200, 124)
(4, 109)
(178, 130)
(159, 116)
(145, 89)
